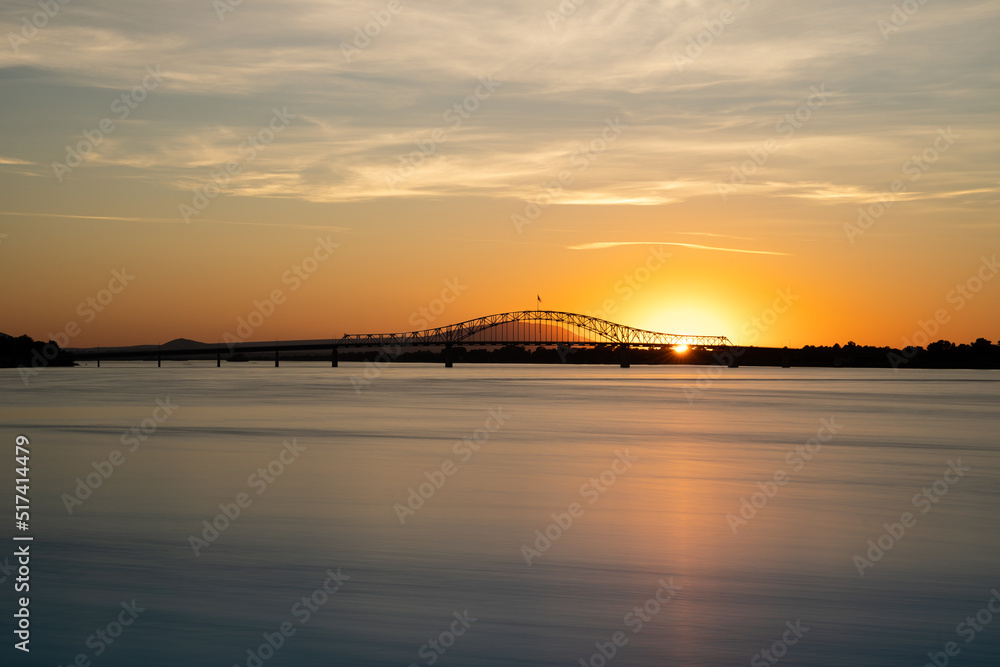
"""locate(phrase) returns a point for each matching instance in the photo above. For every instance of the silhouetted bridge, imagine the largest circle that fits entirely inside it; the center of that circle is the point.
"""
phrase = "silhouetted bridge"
(544, 328)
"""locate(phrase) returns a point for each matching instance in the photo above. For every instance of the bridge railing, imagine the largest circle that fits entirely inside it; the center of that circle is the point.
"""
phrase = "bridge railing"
(525, 327)
(532, 326)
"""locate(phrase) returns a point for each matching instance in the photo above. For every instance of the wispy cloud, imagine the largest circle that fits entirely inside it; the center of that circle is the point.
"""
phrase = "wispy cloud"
(175, 221)
(601, 245)
(721, 236)
(686, 128)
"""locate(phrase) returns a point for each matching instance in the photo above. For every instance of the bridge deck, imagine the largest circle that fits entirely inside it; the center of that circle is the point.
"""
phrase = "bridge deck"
(529, 327)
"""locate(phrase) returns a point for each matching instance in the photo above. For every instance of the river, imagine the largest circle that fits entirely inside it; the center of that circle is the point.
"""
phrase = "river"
(509, 515)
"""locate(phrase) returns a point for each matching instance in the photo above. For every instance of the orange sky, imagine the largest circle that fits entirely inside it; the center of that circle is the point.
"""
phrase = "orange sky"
(629, 154)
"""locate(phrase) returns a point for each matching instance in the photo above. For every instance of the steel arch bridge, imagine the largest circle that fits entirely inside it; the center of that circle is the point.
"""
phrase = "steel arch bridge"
(522, 327)
(532, 327)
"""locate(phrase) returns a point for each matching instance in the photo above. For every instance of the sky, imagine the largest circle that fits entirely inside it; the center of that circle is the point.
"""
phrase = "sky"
(780, 173)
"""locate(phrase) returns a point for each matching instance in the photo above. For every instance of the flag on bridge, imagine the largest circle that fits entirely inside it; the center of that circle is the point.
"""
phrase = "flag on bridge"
(538, 302)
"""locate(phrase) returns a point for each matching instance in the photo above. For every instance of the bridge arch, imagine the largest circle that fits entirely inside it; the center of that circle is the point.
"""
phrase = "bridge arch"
(522, 327)
(541, 327)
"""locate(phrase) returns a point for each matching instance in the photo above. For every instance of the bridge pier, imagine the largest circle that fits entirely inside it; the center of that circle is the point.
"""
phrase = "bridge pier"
(563, 350)
(528, 329)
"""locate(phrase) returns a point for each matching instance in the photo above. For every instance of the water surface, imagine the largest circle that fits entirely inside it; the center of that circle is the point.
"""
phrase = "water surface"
(696, 445)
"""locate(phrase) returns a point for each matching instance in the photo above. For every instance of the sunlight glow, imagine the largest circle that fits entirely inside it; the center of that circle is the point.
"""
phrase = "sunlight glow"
(692, 314)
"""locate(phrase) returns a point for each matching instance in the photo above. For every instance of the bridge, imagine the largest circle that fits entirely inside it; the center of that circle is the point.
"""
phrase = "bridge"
(533, 328)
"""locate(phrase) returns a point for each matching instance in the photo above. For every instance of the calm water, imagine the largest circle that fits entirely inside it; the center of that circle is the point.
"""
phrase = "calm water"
(670, 461)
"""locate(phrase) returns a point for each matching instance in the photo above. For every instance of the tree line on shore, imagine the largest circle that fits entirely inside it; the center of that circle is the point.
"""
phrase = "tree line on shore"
(941, 354)
(24, 351)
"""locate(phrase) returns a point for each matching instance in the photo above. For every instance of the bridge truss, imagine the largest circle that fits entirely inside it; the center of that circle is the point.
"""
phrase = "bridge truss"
(523, 327)
(532, 327)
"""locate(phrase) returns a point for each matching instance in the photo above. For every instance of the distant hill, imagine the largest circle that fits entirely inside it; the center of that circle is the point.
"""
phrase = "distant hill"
(175, 344)
(183, 344)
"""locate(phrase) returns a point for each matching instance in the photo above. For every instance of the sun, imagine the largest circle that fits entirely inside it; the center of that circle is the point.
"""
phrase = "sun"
(680, 349)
